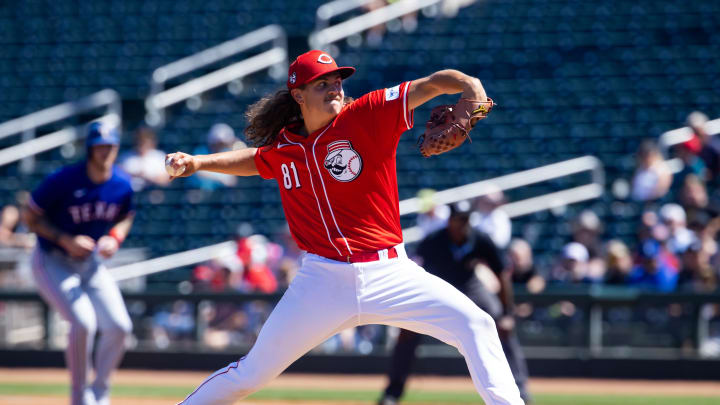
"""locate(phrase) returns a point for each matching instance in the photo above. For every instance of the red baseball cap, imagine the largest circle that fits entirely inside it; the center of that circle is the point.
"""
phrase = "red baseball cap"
(311, 65)
(693, 145)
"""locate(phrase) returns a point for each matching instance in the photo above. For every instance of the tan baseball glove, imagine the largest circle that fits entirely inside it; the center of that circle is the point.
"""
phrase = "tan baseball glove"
(450, 125)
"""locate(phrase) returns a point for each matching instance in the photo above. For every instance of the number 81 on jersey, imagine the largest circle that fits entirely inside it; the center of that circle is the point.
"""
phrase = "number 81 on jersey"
(287, 181)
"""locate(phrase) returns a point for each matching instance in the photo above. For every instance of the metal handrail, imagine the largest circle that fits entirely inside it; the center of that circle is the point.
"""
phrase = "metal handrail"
(518, 208)
(581, 294)
(326, 36)
(161, 98)
(680, 135)
(49, 141)
(585, 192)
(107, 97)
(172, 261)
(217, 53)
(334, 8)
(28, 124)
(215, 79)
(595, 300)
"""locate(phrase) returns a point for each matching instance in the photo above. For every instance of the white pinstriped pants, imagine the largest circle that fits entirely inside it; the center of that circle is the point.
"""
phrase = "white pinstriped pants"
(328, 296)
(86, 295)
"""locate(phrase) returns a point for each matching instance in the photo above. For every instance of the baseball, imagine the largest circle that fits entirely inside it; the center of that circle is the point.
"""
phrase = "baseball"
(170, 169)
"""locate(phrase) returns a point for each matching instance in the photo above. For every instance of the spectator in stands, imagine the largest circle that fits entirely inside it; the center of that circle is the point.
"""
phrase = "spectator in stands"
(173, 323)
(648, 221)
(13, 231)
(653, 270)
(217, 274)
(587, 230)
(706, 230)
(572, 266)
(432, 216)
(673, 217)
(695, 200)
(254, 253)
(289, 262)
(145, 162)
(220, 138)
(618, 262)
(522, 267)
(652, 177)
(228, 324)
(490, 219)
(703, 215)
(710, 149)
(696, 273)
(688, 152)
(656, 230)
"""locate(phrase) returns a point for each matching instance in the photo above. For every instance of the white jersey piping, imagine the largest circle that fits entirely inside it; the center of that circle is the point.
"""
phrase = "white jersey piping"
(405, 110)
(317, 200)
(322, 182)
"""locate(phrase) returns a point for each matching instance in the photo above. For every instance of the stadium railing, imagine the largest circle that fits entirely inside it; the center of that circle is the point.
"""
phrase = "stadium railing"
(325, 36)
(335, 8)
(594, 189)
(28, 125)
(683, 134)
(661, 326)
(589, 191)
(276, 59)
(679, 135)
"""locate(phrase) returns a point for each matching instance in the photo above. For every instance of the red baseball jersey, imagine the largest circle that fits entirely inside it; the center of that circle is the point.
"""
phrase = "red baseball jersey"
(339, 184)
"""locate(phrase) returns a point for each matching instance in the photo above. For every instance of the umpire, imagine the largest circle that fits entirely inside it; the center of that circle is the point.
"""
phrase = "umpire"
(452, 253)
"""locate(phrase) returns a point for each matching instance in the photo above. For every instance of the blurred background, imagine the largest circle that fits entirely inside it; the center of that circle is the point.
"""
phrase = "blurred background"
(597, 173)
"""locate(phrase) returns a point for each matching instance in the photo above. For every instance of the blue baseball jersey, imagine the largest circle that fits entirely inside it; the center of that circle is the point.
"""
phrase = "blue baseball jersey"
(74, 204)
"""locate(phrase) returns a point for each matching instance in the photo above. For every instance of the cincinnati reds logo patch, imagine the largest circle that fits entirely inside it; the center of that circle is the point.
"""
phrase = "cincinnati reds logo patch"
(324, 58)
(342, 161)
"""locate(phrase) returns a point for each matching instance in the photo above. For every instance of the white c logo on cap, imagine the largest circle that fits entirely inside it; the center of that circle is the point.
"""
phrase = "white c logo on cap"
(324, 58)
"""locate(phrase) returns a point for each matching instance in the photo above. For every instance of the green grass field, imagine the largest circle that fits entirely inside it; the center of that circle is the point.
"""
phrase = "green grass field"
(368, 396)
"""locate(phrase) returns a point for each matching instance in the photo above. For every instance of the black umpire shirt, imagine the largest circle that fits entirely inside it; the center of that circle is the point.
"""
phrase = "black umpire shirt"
(456, 264)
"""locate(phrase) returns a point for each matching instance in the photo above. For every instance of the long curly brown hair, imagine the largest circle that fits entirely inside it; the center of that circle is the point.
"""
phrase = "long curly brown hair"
(270, 114)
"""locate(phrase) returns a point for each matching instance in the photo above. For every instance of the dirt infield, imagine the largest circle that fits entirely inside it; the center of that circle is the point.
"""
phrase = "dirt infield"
(354, 382)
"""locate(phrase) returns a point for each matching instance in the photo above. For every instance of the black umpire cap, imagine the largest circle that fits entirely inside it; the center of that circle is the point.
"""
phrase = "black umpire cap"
(461, 209)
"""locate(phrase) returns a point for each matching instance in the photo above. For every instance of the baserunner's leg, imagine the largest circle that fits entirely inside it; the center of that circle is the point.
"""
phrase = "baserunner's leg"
(62, 290)
(114, 325)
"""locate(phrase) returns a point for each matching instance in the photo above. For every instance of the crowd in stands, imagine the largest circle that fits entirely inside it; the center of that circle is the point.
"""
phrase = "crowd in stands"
(676, 239)
(675, 249)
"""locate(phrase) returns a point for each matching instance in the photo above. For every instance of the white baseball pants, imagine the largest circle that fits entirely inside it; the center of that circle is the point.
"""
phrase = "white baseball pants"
(86, 295)
(328, 296)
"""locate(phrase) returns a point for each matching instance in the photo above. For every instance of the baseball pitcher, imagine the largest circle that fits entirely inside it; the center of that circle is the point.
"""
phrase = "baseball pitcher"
(334, 161)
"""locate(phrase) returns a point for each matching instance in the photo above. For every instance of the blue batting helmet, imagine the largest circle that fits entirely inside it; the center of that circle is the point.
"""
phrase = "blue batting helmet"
(100, 133)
